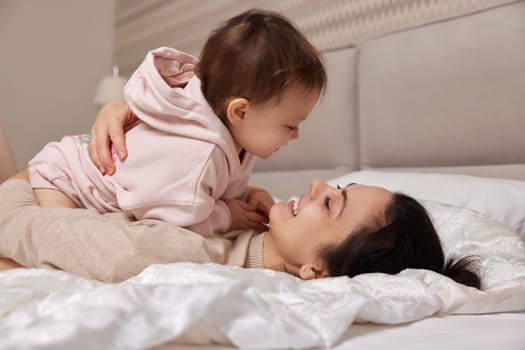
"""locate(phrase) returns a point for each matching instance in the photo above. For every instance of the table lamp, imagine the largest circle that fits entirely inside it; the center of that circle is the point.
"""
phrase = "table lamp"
(110, 88)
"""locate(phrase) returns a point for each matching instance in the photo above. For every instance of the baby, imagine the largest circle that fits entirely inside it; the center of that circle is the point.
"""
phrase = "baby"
(200, 124)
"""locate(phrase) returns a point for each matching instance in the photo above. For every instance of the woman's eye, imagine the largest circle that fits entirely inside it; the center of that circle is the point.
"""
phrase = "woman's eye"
(327, 202)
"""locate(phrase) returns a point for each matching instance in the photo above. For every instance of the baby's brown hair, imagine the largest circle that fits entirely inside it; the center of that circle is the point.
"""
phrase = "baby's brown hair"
(257, 55)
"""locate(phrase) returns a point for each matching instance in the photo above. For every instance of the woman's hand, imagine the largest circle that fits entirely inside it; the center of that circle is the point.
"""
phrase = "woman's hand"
(245, 216)
(108, 130)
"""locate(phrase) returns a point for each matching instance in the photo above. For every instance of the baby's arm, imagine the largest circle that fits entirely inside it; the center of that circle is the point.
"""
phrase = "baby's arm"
(261, 199)
(205, 202)
(245, 216)
(206, 215)
(246, 207)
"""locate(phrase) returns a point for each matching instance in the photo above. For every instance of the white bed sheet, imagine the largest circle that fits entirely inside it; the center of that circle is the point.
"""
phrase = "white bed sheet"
(206, 304)
(505, 331)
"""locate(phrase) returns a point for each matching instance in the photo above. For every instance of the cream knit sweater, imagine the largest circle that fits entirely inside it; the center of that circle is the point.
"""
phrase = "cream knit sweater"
(109, 247)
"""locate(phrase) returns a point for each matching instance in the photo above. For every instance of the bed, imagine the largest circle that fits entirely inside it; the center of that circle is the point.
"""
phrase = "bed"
(435, 111)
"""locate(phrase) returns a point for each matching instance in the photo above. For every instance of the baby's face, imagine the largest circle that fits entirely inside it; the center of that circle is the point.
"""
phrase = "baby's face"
(268, 127)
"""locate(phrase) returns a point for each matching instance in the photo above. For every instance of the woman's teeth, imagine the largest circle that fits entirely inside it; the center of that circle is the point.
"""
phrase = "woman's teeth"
(295, 207)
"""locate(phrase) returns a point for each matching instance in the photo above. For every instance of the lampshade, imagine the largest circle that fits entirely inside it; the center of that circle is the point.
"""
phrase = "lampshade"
(110, 89)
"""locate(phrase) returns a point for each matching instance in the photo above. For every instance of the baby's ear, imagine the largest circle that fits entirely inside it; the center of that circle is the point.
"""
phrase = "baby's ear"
(312, 271)
(236, 110)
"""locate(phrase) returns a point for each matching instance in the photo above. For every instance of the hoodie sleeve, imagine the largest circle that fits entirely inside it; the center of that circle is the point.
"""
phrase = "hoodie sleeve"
(218, 222)
(211, 188)
(194, 203)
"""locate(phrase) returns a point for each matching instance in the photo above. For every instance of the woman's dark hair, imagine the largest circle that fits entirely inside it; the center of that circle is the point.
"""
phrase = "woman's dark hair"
(409, 240)
(257, 55)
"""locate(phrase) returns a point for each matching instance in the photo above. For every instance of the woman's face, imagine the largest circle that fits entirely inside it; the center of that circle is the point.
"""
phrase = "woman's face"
(323, 216)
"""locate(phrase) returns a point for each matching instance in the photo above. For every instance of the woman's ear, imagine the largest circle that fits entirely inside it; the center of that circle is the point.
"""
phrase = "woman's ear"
(236, 110)
(312, 271)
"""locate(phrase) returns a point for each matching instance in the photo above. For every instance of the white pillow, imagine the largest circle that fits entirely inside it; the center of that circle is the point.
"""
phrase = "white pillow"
(501, 199)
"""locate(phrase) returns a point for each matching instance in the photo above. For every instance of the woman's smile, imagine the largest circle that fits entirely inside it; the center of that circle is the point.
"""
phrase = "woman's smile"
(292, 207)
(295, 207)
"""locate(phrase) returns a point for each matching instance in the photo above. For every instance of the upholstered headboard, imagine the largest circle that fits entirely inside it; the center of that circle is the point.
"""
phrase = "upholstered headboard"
(447, 96)
(442, 97)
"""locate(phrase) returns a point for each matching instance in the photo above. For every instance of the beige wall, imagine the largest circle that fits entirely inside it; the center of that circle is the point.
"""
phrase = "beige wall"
(53, 54)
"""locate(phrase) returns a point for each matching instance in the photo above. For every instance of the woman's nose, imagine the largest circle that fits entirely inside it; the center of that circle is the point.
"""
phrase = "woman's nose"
(316, 187)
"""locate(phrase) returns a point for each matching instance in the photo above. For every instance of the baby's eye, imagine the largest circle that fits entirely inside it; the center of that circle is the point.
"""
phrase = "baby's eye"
(327, 202)
(292, 128)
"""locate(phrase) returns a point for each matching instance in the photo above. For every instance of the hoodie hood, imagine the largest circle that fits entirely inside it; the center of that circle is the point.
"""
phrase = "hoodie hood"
(165, 93)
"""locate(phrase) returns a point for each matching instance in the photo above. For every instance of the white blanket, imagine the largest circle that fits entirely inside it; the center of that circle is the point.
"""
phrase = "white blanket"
(203, 304)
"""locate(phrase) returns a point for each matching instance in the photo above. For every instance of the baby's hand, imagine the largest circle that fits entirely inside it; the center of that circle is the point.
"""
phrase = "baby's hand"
(262, 200)
(245, 216)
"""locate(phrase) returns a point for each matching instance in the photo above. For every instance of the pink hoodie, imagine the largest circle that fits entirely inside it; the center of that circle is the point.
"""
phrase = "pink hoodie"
(182, 161)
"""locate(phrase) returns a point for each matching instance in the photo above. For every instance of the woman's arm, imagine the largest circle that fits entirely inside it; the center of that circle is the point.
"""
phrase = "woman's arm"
(104, 247)
(6, 263)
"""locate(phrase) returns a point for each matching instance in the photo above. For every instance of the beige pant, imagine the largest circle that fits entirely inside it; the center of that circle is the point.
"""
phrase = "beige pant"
(106, 247)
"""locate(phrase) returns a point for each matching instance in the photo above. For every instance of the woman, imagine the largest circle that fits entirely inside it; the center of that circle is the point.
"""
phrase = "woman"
(327, 232)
